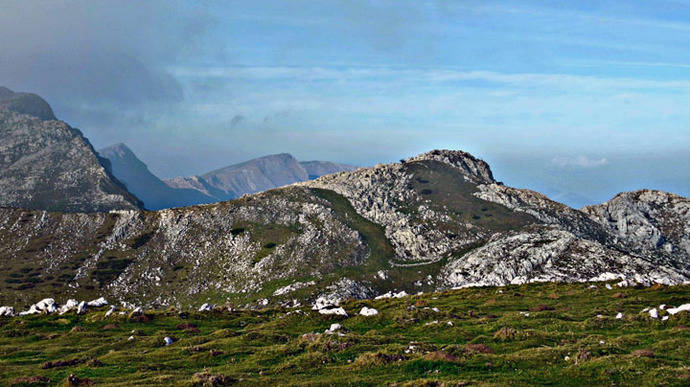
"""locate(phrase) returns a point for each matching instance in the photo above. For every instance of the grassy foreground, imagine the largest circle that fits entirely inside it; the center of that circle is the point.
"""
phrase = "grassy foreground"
(475, 336)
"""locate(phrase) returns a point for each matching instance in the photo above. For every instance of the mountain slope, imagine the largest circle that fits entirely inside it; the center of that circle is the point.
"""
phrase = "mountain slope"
(435, 221)
(256, 175)
(46, 164)
(152, 191)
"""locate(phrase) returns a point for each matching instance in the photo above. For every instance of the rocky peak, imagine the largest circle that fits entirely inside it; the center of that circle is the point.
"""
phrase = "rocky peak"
(476, 169)
(647, 220)
(25, 103)
(46, 164)
(120, 150)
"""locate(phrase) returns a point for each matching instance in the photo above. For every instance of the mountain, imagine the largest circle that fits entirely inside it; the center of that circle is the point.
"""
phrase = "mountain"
(256, 175)
(46, 164)
(433, 222)
(25, 103)
(152, 191)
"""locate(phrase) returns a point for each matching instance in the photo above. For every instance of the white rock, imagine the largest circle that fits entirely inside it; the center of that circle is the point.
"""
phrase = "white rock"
(70, 305)
(110, 311)
(435, 309)
(619, 315)
(324, 302)
(7, 311)
(368, 311)
(609, 287)
(664, 318)
(292, 287)
(592, 286)
(137, 311)
(130, 338)
(653, 313)
(526, 314)
(97, 302)
(167, 340)
(662, 306)
(46, 305)
(206, 308)
(400, 294)
(336, 311)
(449, 323)
(334, 327)
(81, 308)
(684, 307)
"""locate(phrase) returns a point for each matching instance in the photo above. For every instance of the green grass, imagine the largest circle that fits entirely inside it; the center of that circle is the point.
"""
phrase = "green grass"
(372, 234)
(441, 188)
(563, 341)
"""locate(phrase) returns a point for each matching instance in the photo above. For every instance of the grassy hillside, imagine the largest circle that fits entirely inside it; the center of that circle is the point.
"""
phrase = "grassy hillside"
(570, 336)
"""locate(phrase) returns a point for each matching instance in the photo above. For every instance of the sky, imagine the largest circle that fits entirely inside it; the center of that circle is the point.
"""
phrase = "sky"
(579, 100)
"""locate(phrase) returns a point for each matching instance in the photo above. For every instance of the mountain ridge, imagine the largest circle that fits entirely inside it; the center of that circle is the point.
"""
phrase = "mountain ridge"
(435, 221)
(46, 164)
(152, 191)
(256, 175)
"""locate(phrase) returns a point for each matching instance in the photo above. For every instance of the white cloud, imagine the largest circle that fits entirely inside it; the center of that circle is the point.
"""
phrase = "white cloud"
(427, 75)
(579, 161)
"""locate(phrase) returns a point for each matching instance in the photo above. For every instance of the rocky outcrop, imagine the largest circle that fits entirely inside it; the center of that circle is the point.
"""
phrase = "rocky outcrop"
(552, 254)
(473, 168)
(544, 209)
(650, 222)
(49, 165)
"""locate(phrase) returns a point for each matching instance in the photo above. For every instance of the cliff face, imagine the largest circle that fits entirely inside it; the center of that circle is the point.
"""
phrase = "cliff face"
(46, 164)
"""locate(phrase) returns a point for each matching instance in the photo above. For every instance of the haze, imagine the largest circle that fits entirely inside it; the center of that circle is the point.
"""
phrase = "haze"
(578, 100)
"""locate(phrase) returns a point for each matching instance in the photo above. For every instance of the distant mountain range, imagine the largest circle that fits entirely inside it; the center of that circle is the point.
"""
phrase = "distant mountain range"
(257, 175)
(151, 190)
(226, 183)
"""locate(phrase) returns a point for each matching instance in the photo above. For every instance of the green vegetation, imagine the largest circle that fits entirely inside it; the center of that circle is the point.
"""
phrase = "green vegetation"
(371, 233)
(570, 337)
(443, 189)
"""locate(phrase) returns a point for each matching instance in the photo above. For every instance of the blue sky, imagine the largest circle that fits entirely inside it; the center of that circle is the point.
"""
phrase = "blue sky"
(579, 100)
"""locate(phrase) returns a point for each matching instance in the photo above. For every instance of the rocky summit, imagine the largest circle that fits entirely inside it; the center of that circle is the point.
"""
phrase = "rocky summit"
(432, 222)
(46, 164)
